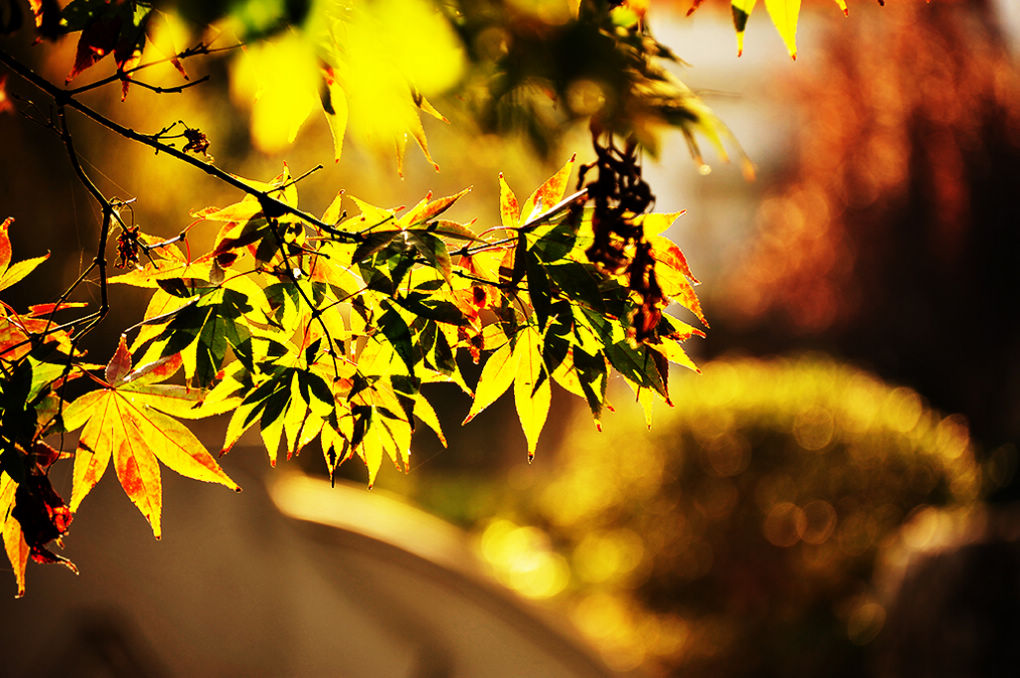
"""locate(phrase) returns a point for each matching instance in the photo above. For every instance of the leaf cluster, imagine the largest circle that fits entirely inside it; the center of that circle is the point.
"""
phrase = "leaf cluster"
(326, 330)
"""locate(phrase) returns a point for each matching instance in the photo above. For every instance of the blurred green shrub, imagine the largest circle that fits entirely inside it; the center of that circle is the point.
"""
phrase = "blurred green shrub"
(738, 536)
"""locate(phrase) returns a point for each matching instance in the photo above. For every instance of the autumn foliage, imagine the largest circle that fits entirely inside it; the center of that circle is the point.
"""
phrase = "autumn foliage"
(326, 330)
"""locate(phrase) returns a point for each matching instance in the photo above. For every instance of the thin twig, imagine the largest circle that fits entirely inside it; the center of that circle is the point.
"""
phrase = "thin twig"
(120, 75)
(273, 206)
(168, 90)
(316, 313)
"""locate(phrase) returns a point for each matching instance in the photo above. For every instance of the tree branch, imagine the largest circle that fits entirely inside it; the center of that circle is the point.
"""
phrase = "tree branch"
(66, 98)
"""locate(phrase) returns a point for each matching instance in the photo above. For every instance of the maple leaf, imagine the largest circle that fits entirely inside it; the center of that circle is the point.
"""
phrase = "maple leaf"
(127, 420)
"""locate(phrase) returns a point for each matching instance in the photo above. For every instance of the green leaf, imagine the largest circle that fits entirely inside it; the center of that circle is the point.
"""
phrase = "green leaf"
(555, 243)
(636, 364)
(450, 229)
(398, 335)
(433, 250)
(578, 281)
(538, 289)
(592, 374)
(372, 243)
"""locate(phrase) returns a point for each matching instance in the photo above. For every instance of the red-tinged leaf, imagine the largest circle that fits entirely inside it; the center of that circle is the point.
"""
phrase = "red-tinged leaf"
(668, 253)
(5, 100)
(138, 474)
(676, 286)
(548, 194)
(120, 363)
(13, 273)
(158, 370)
(424, 105)
(508, 207)
(5, 239)
(43, 517)
(426, 209)
(38, 310)
(126, 423)
(97, 40)
(694, 6)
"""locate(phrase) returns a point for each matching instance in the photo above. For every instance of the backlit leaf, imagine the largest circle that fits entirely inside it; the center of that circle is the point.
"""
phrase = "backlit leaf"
(741, 12)
(13, 273)
(532, 393)
(498, 373)
(122, 422)
(14, 541)
(784, 15)
(548, 194)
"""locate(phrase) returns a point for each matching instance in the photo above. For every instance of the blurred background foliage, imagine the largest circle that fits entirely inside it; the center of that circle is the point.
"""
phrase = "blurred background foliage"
(757, 529)
(739, 534)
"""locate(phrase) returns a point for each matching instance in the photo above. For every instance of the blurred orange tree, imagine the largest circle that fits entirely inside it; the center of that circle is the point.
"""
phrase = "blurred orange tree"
(324, 328)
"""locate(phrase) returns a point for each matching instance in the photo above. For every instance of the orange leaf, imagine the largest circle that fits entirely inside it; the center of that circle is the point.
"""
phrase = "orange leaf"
(549, 193)
(12, 273)
(126, 422)
(508, 207)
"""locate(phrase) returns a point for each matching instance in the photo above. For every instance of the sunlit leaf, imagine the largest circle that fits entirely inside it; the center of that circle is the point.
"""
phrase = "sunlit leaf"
(13, 273)
(498, 373)
(784, 14)
(122, 421)
(548, 194)
(532, 393)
